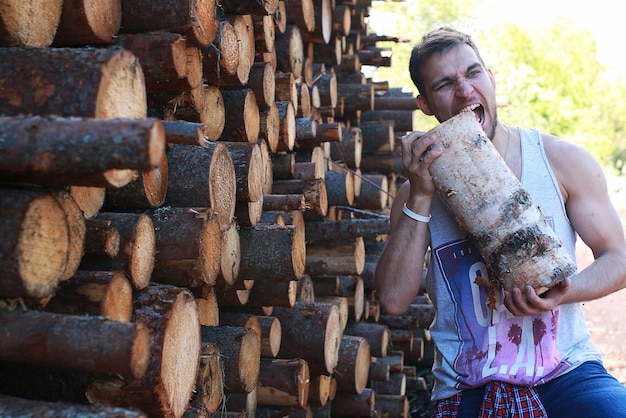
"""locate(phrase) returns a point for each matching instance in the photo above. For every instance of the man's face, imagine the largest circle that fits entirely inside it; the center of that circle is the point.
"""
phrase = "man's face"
(456, 79)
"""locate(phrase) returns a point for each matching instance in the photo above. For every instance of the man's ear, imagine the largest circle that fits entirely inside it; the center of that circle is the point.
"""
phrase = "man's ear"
(422, 103)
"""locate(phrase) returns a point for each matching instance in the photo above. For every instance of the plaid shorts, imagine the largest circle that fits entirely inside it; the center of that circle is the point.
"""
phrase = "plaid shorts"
(500, 400)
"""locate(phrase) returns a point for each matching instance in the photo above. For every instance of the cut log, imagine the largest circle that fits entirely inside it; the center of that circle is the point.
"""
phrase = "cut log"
(77, 151)
(188, 245)
(35, 245)
(271, 332)
(208, 309)
(147, 191)
(395, 385)
(285, 89)
(249, 213)
(249, 170)
(251, 7)
(376, 334)
(209, 390)
(378, 371)
(240, 405)
(230, 255)
(319, 389)
(87, 22)
(243, 121)
(382, 163)
(269, 126)
(283, 382)
(314, 192)
(101, 238)
(301, 13)
(284, 202)
(137, 247)
(203, 177)
(32, 24)
(357, 97)
(88, 199)
(490, 203)
(222, 56)
(272, 252)
(186, 133)
(77, 232)
(287, 130)
(341, 258)
(166, 387)
(325, 88)
(353, 365)
(111, 82)
(241, 352)
(18, 407)
(339, 187)
(378, 137)
(354, 405)
(267, 292)
(98, 293)
(244, 29)
(265, 28)
(289, 49)
(305, 291)
(392, 406)
(323, 23)
(193, 18)
(374, 192)
(165, 61)
(345, 229)
(311, 331)
(417, 316)
(402, 119)
(90, 344)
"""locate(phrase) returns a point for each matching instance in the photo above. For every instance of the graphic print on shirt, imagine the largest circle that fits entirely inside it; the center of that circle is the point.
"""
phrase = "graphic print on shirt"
(495, 344)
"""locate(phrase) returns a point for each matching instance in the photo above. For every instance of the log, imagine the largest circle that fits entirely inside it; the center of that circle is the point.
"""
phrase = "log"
(273, 252)
(111, 82)
(29, 25)
(251, 7)
(312, 331)
(88, 199)
(239, 405)
(208, 309)
(209, 391)
(98, 293)
(147, 191)
(341, 20)
(244, 29)
(203, 177)
(243, 121)
(374, 192)
(417, 316)
(357, 97)
(341, 258)
(265, 33)
(137, 247)
(241, 353)
(376, 334)
(76, 151)
(384, 163)
(249, 170)
(35, 245)
(18, 407)
(490, 203)
(402, 119)
(249, 213)
(348, 152)
(188, 244)
(395, 385)
(314, 192)
(222, 56)
(77, 233)
(269, 126)
(85, 343)
(284, 202)
(267, 292)
(101, 238)
(167, 63)
(325, 88)
(355, 405)
(304, 109)
(301, 13)
(319, 389)
(323, 23)
(378, 137)
(345, 229)
(85, 22)
(280, 16)
(194, 19)
(287, 126)
(283, 382)
(230, 255)
(353, 365)
(289, 49)
(305, 291)
(268, 170)
(166, 387)
(390, 102)
(392, 406)
(378, 371)
(285, 87)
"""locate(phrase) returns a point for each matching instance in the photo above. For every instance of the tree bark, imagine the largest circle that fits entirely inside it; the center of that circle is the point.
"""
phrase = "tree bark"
(188, 244)
(29, 25)
(85, 22)
(314, 192)
(77, 232)
(88, 199)
(311, 331)
(272, 252)
(194, 19)
(490, 203)
(17, 407)
(249, 170)
(354, 405)
(223, 55)
(376, 334)
(353, 365)
(89, 344)
(301, 13)
(289, 49)
(392, 406)
(209, 390)
(97, 293)
(203, 177)
(373, 194)
(111, 82)
(283, 382)
(345, 229)
(243, 118)
(138, 245)
(230, 255)
(241, 352)
(35, 245)
(339, 258)
(166, 387)
(101, 238)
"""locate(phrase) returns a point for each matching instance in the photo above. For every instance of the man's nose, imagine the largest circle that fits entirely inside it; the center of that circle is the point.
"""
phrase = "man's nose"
(463, 88)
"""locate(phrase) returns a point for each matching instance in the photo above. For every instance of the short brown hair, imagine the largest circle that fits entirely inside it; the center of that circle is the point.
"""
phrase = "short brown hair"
(436, 41)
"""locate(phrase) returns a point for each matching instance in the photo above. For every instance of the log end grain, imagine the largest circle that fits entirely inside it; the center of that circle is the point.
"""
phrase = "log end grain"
(142, 252)
(31, 24)
(122, 90)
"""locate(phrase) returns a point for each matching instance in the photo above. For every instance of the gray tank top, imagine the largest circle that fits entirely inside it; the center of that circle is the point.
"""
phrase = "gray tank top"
(477, 344)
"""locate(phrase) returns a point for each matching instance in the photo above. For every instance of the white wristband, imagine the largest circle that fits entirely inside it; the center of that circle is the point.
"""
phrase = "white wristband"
(415, 216)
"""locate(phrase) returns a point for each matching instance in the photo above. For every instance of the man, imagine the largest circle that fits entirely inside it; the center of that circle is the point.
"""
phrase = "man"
(530, 356)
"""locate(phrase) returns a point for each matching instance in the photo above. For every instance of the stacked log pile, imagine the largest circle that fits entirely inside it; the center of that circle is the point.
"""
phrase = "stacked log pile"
(194, 196)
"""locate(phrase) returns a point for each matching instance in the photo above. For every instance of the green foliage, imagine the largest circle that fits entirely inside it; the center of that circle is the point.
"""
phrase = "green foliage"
(547, 78)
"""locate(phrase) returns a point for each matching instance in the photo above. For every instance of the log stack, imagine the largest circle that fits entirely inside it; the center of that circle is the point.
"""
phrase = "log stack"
(202, 198)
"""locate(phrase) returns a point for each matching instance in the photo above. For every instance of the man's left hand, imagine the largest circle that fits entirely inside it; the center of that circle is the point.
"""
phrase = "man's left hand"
(525, 301)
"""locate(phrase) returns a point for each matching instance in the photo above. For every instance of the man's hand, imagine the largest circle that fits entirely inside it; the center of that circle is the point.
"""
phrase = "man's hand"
(525, 301)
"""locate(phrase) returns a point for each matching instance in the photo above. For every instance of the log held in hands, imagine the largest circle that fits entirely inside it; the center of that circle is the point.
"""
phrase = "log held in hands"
(490, 203)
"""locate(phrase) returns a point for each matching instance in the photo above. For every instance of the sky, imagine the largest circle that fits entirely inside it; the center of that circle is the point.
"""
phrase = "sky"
(604, 18)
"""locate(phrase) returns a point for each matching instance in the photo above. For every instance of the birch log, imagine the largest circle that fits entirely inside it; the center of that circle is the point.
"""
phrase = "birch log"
(490, 203)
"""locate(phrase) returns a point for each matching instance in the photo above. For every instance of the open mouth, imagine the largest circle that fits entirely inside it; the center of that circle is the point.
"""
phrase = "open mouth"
(478, 110)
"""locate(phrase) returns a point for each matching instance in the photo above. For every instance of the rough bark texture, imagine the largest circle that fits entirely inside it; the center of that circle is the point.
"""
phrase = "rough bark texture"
(489, 202)
(85, 22)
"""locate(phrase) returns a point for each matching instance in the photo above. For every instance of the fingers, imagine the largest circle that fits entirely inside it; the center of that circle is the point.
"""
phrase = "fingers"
(526, 301)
